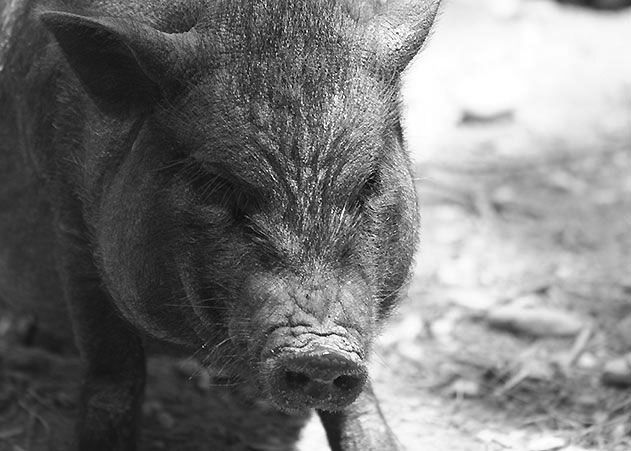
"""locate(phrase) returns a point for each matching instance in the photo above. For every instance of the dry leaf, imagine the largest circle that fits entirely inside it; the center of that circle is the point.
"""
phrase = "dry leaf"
(537, 322)
(547, 443)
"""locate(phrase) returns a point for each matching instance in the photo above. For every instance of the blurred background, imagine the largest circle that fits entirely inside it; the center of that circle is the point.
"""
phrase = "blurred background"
(517, 330)
(516, 334)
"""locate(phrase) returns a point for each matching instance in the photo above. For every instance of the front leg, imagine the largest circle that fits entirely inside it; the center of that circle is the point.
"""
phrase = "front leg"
(359, 427)
(112, 354)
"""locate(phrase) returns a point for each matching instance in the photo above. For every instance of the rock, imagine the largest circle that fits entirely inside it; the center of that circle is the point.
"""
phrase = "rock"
(464, 388)
(546, 443)
(617, 372)
(535, 321)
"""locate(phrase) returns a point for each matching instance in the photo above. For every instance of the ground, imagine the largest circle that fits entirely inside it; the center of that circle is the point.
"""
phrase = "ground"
(518, 117)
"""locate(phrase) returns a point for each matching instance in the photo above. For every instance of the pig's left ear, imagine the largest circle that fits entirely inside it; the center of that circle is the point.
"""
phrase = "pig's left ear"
(118, 63)
(397, 33)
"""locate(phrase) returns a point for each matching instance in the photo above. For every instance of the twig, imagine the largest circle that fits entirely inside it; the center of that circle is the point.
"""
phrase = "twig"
(580, 344)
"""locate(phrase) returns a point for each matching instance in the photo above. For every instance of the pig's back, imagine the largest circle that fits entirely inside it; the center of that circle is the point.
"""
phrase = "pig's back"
(28, 280)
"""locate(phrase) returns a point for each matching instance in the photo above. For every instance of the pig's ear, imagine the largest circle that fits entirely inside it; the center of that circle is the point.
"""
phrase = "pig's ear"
(117, 63)
(397, 32)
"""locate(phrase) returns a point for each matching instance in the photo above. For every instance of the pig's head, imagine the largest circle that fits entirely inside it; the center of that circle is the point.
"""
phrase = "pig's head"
(244, 180)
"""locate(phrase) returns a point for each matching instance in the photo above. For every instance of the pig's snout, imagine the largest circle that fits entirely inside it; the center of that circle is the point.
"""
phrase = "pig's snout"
(321, 378)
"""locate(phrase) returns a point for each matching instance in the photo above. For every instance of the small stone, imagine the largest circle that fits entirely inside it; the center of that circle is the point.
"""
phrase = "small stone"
(617, 372)
(546, 443)
(464, 388)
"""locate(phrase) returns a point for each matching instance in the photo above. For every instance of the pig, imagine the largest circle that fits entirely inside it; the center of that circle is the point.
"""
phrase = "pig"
(226, 177)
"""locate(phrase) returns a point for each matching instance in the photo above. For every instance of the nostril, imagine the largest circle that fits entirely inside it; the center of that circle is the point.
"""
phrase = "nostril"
(347, 382)
(324, 380)
(296, 380)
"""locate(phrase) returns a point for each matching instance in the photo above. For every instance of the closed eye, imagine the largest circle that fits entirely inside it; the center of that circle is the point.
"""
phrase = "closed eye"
(214, 187)
(367, 190)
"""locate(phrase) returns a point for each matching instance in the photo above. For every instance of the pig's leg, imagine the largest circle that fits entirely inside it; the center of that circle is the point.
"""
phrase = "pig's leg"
(359, 427)
(112, 354)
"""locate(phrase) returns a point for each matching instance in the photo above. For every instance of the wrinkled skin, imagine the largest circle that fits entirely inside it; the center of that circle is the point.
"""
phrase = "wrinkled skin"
(227, 177)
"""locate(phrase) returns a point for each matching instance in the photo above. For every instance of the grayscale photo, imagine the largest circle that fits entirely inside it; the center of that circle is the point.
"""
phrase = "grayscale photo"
(315, 225)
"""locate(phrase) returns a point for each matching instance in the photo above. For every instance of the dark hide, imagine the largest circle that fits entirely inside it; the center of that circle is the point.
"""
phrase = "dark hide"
(227, 177)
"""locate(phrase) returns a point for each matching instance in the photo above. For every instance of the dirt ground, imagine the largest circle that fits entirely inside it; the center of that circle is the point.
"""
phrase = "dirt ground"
(518, 116)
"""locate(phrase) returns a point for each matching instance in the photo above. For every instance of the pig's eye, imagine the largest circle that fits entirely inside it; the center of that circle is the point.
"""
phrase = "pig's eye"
(367, 190)
(398, 133)
(217, 190)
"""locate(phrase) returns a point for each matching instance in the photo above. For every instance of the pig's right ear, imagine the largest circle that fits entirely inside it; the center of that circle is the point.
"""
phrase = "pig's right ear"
(398, 31)
(118, 63)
